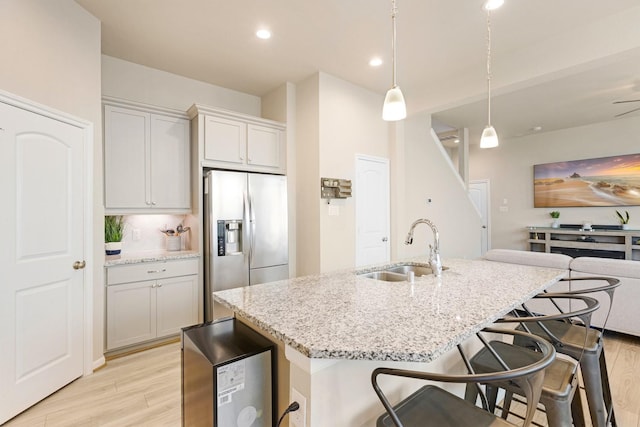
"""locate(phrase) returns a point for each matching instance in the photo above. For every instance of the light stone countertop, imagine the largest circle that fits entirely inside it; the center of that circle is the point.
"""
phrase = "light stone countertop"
(149, 256)
(342, 316)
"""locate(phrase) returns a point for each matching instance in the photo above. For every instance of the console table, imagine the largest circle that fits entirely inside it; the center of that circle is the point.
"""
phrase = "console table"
(618, 244)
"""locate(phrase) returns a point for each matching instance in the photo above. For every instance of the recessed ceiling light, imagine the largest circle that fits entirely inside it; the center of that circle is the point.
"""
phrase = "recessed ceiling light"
(456, 141)
(492, 4)
(263, 34)
(375, 62)
(536, 128)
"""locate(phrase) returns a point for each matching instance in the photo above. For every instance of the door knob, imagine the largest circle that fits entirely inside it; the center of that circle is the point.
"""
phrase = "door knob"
(384, 239)
(79, 265)
(484, 226)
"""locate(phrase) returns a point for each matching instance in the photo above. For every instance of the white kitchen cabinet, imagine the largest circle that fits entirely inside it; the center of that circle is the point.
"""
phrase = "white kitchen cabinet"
(150, 301)
(146, 160)
(235, 141)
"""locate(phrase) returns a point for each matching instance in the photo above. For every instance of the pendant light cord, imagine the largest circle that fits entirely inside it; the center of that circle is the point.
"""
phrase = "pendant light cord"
(394, 11)
(488, 68)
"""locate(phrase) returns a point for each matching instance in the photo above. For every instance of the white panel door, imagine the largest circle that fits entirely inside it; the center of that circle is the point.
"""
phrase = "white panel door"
(479, 194)
(372, 210)
(41, 294)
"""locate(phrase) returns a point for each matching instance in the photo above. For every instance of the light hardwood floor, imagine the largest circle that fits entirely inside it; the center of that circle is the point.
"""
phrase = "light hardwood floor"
(143, 389)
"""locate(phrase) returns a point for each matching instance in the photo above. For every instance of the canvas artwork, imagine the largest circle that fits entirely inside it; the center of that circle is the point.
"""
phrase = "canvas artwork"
(605, 181)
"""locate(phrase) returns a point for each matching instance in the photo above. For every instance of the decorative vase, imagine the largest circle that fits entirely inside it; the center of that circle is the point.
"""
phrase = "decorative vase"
(113, 248)
(625, 226)
(555, 223)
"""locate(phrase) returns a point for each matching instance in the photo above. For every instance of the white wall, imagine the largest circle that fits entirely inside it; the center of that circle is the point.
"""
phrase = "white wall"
(510, 169)
(126, 80)
(350, 124)
(280, 105)
(308, 176)
(430, 174)
(51, 55)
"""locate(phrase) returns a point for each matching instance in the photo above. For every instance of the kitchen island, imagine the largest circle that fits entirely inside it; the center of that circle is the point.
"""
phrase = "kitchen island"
(336, 328)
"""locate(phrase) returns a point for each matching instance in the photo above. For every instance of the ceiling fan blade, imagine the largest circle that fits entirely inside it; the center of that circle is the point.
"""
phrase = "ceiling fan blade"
(630, 111)
(624, 102)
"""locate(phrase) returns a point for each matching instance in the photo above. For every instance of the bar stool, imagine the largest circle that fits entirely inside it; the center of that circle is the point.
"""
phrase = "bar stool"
(590, 353)
(561, 380)
(431, 406)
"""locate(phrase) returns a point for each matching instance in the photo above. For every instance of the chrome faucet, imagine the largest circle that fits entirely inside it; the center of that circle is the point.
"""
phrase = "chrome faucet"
(434, 250)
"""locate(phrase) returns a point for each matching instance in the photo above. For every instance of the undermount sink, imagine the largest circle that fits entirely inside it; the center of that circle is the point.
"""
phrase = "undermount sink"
(405, 269)
(399, 273)
(386, 276)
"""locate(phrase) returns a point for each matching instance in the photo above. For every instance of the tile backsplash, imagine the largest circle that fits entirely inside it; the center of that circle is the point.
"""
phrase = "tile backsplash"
(142, 232)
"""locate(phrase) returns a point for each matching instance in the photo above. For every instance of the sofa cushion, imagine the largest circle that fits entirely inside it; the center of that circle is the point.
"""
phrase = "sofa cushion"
(537, 259)
(606, 267)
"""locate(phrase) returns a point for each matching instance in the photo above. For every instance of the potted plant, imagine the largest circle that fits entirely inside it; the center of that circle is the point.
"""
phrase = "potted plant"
(113, 233)
(555, 215)
(624, 219)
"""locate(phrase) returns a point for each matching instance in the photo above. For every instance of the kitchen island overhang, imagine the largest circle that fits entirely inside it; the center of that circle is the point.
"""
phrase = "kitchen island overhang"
(338, 327)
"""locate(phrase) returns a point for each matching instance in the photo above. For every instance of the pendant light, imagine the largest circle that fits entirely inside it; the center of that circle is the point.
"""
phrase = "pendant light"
(489, 137)
(394, 108)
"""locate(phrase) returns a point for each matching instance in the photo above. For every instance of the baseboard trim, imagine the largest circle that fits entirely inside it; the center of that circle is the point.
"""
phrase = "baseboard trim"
(100, 363)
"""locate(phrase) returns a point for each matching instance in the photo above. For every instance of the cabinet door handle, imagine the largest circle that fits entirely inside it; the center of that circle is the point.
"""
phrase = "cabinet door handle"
(154, 285)
(159, 285)
(156, 271)
(384, 239)
(148, 203)
(153, 203)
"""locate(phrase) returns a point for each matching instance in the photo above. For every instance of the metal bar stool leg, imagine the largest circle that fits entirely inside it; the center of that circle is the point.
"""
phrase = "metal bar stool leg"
(608, 400)
(577, 410)
(591, 375)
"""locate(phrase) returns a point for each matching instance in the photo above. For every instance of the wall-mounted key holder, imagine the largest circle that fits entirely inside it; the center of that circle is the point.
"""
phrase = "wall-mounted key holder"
(335, 188)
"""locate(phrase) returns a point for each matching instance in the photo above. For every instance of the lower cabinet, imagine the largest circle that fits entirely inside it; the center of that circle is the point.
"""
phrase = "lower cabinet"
(145, 310)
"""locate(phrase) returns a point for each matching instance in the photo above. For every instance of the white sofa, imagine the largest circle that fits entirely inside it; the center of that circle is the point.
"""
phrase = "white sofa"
(625, 314)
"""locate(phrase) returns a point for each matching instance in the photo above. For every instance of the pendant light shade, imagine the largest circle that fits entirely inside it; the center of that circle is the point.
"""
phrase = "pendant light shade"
(394, 108)
(489, 138)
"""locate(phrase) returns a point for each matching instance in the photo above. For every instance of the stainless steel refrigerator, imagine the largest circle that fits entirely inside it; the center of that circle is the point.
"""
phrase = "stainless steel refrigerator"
(245, 231)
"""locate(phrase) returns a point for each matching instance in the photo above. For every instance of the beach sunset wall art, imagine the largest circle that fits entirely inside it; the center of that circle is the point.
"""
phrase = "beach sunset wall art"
(605, 181)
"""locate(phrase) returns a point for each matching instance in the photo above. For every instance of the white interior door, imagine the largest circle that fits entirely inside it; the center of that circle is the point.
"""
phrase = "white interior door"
(479, 194)
(41, 294)
(372, 210)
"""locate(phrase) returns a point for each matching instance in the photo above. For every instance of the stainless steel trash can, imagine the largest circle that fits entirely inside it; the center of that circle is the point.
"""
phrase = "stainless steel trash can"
(228, 376)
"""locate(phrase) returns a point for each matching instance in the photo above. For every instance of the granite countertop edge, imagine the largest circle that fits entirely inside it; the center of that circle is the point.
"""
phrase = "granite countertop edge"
(151, 256)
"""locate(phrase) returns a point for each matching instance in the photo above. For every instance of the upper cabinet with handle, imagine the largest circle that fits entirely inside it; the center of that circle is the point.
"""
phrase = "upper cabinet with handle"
(146, 160)
(235, 141)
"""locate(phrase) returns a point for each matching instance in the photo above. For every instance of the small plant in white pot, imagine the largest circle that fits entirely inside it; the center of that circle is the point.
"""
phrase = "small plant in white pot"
(624, 219)
(113, 233)
(555, 215)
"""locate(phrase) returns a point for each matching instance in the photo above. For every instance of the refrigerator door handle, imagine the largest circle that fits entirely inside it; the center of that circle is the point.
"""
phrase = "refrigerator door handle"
(246, 208)
(252, 222)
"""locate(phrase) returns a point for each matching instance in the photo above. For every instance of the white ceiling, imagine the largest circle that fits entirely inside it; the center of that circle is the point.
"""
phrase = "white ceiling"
(438, 41)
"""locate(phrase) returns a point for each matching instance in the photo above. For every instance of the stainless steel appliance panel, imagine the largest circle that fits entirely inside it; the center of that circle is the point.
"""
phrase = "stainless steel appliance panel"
(225, 200)
(268, 274)
(268, 217)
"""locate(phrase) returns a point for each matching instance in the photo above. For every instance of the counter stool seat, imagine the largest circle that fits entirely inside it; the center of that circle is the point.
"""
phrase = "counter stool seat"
(589, 352)
(561, 402)
(433, 406)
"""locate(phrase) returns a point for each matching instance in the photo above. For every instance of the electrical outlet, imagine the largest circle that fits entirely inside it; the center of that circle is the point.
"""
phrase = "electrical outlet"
(299, 417)
(136, 234)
